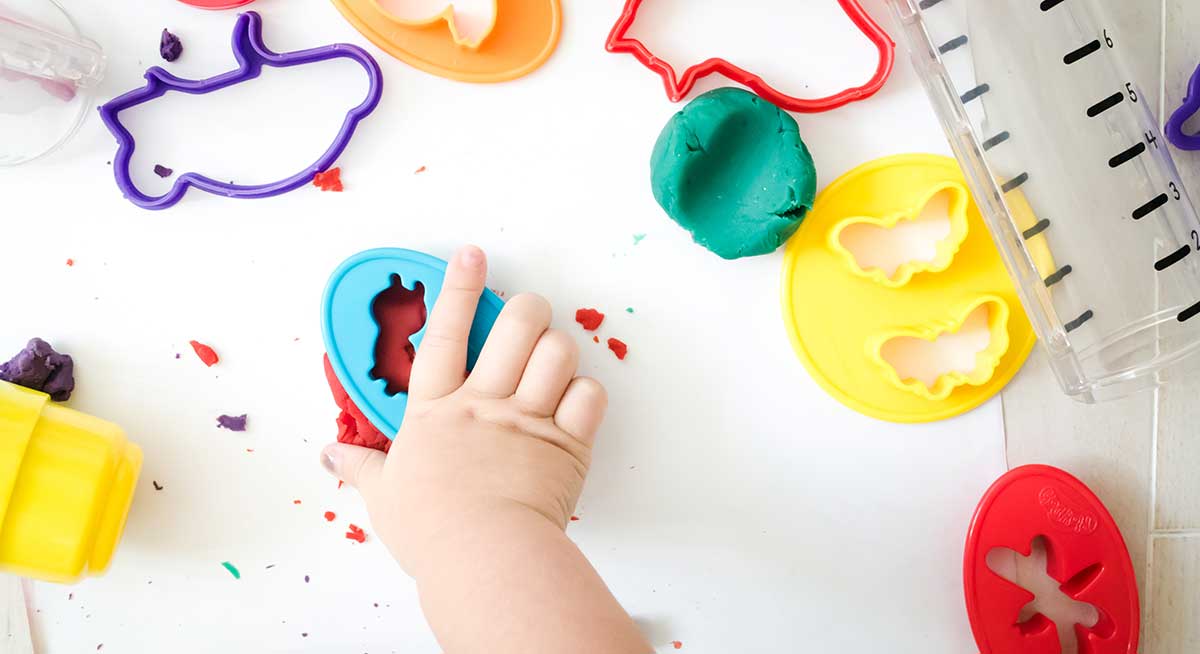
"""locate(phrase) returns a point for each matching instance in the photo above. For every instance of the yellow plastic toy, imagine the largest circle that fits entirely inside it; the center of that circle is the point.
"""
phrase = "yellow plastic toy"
(66, 482)
(840, 316)
(522, 35)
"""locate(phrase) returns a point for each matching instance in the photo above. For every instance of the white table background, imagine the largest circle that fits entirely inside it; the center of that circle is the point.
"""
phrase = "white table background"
(732, 506)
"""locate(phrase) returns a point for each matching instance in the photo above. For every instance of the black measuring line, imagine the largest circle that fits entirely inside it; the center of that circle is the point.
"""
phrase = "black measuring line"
(956, 42)
(1047, 5)
(1127, 156)
(1041, 226)
(1150, 207)
(974, 93)
(1057, 276)
(1105, 104)
(996, 140)
(1189, 313)
(1079, 53)
(1015, 182)
(1086, 316)
(925, 4)
(1173, 258)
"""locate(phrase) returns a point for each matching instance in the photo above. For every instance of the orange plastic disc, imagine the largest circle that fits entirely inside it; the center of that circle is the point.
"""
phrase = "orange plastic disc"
(524, 35)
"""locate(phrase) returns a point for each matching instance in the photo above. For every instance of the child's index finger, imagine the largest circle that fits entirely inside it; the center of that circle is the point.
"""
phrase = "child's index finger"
(440, 366)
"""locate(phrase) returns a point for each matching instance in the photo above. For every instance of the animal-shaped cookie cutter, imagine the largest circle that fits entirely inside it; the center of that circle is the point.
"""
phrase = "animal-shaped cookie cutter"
(679, 86)
(1085, 554)
(1190, 107)
(351, 332)
(252, 56)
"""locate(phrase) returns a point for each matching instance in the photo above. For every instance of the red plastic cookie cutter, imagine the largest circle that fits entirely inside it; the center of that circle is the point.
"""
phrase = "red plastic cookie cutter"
(678, 87)
(1084, 552)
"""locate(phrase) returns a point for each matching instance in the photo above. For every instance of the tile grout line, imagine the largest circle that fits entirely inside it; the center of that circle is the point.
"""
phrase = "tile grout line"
(1177, 533)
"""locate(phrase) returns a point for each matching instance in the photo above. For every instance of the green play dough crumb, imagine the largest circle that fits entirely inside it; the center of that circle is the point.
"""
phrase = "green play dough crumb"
(732, 170)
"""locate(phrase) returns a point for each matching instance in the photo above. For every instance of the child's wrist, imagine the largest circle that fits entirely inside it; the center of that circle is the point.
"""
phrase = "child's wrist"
(483, 533)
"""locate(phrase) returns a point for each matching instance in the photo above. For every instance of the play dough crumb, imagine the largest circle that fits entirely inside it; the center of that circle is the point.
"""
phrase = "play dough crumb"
(70, 262)
(356, 534)
(419, 170)
(232, 423)
(732, 170)
(638, 238)
(330, 180)
(677, 644)
(206, 353)
(618, 348)
(163, 171)
(40, 368)
(169, 46)
(330, 516)
(232, 569)
(589, 318)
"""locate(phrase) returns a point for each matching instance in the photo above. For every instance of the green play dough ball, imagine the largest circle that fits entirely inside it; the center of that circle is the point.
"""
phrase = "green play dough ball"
(732, 170)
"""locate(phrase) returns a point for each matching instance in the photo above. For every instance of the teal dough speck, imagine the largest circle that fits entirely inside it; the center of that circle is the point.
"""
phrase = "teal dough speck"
(732, 169)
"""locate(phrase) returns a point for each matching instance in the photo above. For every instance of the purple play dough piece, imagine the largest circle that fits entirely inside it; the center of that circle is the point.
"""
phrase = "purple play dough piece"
(1189, 108)
(163, 171)
(170, 47)
(232, 423)
(252, 56)
(40, 368)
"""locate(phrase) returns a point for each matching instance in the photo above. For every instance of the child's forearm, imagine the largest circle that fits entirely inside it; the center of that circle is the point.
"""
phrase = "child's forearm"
(515, 584)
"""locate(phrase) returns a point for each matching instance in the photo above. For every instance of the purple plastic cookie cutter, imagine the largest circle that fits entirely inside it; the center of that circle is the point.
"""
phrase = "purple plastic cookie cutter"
(1190, 107)
(251, 55)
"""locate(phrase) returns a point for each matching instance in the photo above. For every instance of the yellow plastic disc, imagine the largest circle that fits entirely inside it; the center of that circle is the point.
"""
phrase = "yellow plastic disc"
(840, 316)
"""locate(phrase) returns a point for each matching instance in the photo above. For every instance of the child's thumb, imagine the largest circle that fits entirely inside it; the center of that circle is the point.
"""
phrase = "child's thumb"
(358, 466)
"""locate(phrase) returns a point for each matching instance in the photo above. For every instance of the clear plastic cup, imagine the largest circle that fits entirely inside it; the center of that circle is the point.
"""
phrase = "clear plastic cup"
(1045, 119)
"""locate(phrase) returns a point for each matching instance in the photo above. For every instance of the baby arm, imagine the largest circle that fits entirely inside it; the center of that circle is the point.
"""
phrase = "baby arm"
(479, 485)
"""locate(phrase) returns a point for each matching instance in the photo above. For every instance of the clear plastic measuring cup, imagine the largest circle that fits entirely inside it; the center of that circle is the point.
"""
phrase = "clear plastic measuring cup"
(1044, 117)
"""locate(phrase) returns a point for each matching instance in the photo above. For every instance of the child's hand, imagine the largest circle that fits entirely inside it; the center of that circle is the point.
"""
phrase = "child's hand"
(474, 494)
(514, 437)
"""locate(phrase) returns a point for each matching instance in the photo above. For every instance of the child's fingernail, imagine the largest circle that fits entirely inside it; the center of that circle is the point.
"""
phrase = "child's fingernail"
(471, 256)
(328, 462)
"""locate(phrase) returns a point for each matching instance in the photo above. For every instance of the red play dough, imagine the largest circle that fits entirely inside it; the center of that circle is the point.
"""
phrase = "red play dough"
(353, 426)
(589, 318)
(206, 353)
(619, 348)
(330, 180)
(356, 534)
(400, 313)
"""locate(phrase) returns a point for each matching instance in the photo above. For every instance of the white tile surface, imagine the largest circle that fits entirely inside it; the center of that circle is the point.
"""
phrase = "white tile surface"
(1174, 602)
